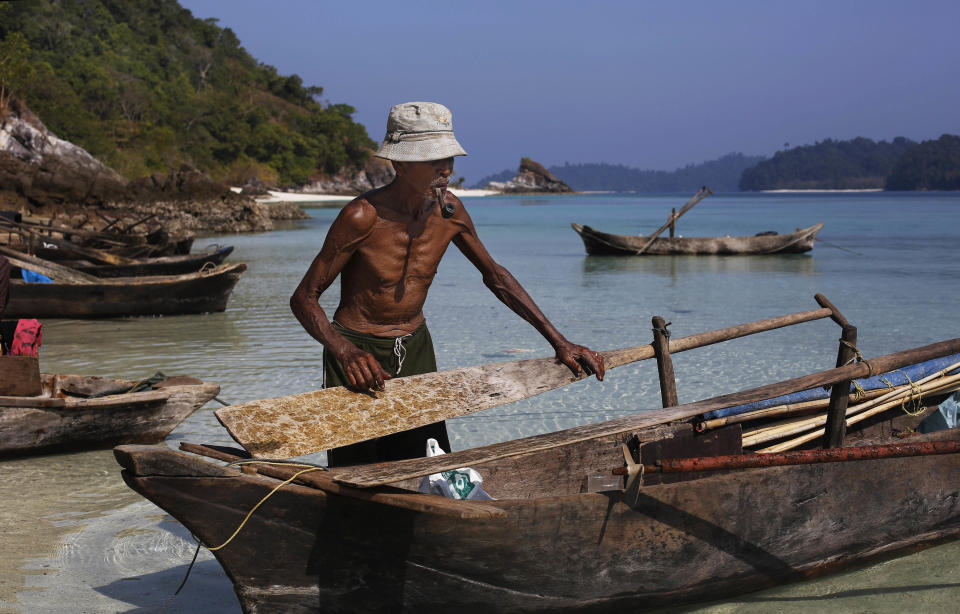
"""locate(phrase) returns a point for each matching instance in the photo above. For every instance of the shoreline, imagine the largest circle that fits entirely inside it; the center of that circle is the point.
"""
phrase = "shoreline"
(816, 191)
(276, 196)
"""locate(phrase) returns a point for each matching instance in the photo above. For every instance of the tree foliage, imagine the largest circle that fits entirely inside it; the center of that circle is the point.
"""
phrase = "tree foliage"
(859, 163)
(931, 165)
(143, 85)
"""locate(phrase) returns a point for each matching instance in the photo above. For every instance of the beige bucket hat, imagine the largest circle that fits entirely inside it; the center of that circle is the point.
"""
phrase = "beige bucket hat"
(419, 132)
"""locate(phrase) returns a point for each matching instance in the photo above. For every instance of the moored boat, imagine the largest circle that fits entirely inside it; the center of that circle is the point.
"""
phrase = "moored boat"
(566, 532)
(597, 242)
(200, 292)
(161, 265)
(84, 412)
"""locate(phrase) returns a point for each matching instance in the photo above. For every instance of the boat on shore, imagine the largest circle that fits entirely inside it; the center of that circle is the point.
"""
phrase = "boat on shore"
(602, 243)
(160, 265)
(74, 294)
(75, 412)
(637, 512)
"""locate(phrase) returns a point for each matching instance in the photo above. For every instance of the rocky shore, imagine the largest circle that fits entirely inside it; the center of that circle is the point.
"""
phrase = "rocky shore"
(43, 176)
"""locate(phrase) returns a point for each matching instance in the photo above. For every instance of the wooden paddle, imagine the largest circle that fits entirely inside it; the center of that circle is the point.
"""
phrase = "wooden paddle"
(303, 423)
(703, 193)
(377, 474)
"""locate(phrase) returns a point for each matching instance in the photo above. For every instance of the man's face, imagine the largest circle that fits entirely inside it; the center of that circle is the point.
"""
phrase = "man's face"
(428, 175)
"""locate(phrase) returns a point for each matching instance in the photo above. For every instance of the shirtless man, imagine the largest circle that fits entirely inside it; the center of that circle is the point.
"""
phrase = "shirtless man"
(386, 245)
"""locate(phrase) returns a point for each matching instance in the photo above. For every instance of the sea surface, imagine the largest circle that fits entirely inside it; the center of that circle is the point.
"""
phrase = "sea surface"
(76, 539)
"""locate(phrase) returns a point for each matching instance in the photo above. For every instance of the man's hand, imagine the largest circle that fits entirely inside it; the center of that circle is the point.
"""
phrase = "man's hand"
(578, 358)
(361, 368)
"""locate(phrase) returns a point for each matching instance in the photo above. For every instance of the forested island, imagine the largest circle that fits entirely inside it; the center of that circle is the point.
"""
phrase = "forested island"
(144, 86)
(857, 164)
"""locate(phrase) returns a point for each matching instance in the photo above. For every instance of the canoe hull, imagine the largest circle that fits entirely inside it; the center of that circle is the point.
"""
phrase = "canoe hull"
(602, 243)
(163, 265)
(133, 296)
(306, 550)
(80, 424)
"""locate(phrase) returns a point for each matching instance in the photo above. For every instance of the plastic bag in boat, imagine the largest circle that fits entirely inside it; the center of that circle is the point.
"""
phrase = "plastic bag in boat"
(464, 483)
(946, 418)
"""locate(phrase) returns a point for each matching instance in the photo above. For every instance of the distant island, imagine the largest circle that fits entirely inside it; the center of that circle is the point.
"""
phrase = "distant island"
(722, 175)
(856, 164)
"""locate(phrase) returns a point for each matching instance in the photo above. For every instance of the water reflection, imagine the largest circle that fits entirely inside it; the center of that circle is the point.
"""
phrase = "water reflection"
(670, 266)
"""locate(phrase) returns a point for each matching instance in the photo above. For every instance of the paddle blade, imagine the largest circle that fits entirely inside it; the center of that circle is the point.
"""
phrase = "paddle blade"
(303, 423)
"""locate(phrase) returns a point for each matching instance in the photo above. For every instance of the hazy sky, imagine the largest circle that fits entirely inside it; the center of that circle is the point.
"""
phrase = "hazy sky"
(653, 85)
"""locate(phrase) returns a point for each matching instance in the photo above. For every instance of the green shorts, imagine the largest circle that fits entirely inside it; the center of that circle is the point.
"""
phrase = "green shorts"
(400, 356)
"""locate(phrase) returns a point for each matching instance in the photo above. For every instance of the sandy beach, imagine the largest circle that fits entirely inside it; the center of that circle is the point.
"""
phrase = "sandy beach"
(304, 197)
(820, 191)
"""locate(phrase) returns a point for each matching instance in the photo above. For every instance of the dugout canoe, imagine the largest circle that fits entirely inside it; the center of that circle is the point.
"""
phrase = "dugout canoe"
(200, 292)
(161, 265)
(65, 417)
(597, 242)
(563, 533)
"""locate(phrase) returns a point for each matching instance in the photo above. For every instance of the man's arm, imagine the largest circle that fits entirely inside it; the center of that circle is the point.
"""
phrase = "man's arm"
(352, 226)
(506, 288)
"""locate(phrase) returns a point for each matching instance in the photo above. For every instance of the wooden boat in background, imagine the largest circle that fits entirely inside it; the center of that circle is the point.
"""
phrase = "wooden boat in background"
(201, 292)
(66, 416)
(597, 242)
(565, 532)
(161, 265)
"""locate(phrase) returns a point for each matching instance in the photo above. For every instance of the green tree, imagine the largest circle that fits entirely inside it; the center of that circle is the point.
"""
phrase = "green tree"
(15, 68)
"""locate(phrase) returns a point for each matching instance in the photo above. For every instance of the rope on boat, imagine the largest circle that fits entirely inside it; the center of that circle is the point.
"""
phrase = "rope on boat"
(915, 398)
(308, 469)
(200, 543)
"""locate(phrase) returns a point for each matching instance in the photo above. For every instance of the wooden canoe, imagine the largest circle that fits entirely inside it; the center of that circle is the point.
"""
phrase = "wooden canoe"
(562, 534)
(161, 265)
(63, 418)
(200, 292)
(597, 242)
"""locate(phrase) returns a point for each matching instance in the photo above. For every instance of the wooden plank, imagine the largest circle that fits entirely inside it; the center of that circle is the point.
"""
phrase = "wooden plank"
(304, 423)
(19, 377)
(418, 502)
(56, 272)
(386, 473)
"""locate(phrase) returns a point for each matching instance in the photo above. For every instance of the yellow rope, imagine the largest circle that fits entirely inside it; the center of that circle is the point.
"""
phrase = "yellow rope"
(268, 495)
(915, 398)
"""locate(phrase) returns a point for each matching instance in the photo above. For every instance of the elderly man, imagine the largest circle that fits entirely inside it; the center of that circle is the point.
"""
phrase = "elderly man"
(386, 245)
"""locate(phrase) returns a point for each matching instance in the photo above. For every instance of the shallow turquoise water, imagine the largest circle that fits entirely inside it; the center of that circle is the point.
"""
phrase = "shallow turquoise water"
(889, 262)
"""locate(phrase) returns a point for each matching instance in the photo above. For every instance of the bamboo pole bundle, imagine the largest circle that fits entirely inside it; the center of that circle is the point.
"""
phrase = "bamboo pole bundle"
(787, 409)
(943, 384)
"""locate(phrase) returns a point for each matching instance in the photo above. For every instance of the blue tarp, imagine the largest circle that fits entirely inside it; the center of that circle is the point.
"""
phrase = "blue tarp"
(895, 378)
(34, 278)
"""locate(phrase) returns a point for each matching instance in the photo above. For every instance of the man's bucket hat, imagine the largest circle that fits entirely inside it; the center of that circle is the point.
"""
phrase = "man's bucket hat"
(419, 132)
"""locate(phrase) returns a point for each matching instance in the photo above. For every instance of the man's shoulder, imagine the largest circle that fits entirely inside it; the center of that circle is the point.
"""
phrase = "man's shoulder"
(359, 213)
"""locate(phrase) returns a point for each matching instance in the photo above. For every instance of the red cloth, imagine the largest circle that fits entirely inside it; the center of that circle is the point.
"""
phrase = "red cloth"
(26, 340)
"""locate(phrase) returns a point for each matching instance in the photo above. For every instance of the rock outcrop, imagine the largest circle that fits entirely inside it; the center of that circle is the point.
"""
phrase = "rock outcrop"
(43, 175)
(351, 182)
(46, 170)
(532, 177)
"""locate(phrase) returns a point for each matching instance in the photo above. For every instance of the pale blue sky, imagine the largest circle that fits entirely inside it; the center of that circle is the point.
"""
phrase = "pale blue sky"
(647, 84)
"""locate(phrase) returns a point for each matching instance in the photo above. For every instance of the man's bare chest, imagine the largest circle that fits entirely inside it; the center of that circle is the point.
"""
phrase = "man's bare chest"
(394, 251)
